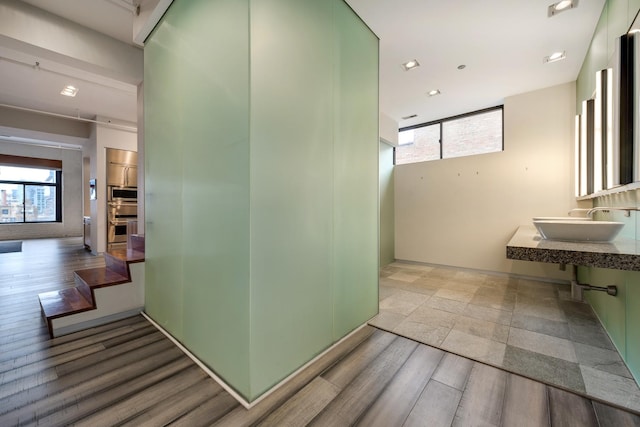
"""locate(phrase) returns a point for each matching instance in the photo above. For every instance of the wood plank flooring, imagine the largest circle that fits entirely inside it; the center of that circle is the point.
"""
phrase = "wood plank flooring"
(128, 373)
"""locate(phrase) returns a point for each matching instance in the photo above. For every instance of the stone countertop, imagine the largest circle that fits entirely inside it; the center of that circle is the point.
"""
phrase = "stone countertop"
(619, 254)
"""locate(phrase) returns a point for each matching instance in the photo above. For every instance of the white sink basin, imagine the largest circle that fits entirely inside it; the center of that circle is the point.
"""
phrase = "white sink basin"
(561, 218)
(578, 230)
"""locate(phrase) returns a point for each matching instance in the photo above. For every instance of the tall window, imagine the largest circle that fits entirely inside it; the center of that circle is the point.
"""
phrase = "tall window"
(479, 132)
(30, 193)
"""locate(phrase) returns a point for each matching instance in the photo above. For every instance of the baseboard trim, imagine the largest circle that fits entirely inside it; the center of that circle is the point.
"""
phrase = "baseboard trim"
(69, 329)
(231, 390)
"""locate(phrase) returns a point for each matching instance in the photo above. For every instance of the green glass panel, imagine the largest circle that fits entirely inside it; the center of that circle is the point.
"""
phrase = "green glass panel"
(355, 172)
(243, 146)
(163, 181)
(610, 311)
(206, 97)
(632, 354)
(291, 186)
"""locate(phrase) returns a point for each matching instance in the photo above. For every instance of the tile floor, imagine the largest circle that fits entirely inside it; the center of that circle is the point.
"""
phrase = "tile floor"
(528, 327)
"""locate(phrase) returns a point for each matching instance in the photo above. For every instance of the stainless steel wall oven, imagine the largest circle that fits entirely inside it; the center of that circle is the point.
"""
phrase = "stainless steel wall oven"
(122, 195)
(118, 215)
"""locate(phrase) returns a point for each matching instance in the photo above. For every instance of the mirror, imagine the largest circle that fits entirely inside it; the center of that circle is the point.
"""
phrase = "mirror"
(607, 146)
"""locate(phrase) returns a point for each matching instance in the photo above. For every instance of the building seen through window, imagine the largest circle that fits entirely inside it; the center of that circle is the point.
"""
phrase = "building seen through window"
(29, 195)
(479, 132)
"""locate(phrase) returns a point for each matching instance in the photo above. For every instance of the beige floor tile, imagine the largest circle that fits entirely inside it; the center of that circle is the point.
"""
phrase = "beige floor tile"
(502, 317)
(403, 302)
(443, 273)
(410, 266)
(601, 359)
(536, 289)
(387, 320)
(431, 283)
(500, 282)
(454, 295)
(543, 344)
(433, 317)
(611, 388)
(404, 277)
(500, 301)
(547, 311)
(470, 277)
(475, 347)
(482, 328)
(416, 286)
(462, 287)
(448, 305)
(386, 291)
(427, 334)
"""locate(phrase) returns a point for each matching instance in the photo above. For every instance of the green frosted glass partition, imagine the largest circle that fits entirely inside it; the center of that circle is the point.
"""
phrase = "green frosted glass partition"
(163, 186)
(291, 193)
(197, 166)
(261, 124)
(355, 183)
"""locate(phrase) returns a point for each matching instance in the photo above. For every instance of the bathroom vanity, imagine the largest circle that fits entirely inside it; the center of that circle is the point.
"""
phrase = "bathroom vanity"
(619, 254)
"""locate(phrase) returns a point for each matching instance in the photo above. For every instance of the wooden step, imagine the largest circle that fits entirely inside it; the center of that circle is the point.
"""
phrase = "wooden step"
(82, 297)
(60, 303)
(100, 277)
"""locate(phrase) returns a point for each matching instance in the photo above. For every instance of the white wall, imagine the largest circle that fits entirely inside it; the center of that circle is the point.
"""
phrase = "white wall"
(462, 212)
(32, 30)
(388, 130)
(387, 223)
(71, 224)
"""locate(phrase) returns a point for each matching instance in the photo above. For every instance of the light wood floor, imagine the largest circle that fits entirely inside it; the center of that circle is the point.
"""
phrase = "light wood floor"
(127, 373)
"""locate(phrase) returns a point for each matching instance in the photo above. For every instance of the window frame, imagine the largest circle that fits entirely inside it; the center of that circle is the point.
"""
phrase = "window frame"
(441, 122)
(58, 191)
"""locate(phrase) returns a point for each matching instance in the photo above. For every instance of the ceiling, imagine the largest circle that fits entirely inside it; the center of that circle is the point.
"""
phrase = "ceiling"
(501, 43)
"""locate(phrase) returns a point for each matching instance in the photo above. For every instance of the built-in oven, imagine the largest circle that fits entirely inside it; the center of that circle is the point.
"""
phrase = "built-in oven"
(119, 214)
(122, 194)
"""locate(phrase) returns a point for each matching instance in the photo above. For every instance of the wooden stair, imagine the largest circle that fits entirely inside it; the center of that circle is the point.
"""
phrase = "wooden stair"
(82, 297)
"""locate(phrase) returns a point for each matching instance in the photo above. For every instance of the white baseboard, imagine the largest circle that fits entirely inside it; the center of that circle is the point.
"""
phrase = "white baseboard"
(227, 387)
(64, 330)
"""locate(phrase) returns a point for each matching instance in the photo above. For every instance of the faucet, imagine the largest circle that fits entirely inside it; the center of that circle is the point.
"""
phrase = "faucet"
(627, 210)
(577, 210)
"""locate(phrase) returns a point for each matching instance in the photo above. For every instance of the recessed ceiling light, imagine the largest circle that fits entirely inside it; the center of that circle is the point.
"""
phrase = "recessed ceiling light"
(434, 92)
(410, 65)
(69, 91)
(556, 56)
(561, 6)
